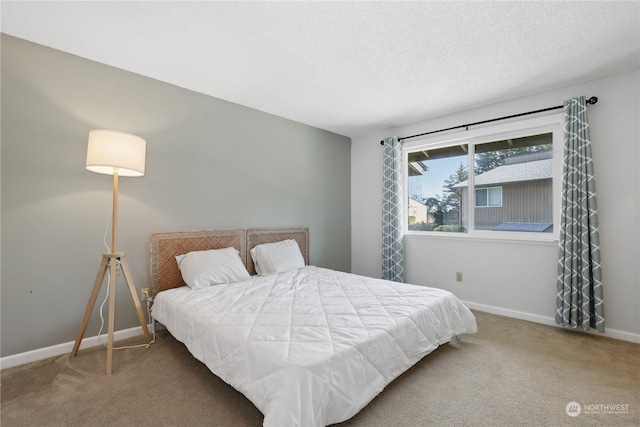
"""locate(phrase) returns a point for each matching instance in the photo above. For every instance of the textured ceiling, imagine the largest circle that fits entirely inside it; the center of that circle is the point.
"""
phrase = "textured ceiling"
(347, 67)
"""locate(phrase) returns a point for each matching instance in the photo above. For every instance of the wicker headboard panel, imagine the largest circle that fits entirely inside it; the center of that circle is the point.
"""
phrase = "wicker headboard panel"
(257, 236)
(163, 268)
(163, 248)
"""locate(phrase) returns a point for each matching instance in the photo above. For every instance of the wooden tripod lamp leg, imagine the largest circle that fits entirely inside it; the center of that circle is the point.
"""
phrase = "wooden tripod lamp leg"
(92, 300)
(134, 296)
(113, 271)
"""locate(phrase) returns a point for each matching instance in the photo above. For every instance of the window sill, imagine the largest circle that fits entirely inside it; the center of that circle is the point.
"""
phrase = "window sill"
(523, 240)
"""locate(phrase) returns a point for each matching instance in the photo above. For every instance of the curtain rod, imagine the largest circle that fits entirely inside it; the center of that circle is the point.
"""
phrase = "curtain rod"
(590, 101)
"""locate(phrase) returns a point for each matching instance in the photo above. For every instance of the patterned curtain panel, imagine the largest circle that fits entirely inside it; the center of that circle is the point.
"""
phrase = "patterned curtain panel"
(392, 245)
(579, 301)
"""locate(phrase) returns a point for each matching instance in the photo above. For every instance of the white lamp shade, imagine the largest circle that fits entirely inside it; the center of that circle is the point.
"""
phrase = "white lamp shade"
(110, 151)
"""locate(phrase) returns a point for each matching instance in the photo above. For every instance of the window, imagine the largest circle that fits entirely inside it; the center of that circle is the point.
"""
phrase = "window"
(489, 197)
(511, 189)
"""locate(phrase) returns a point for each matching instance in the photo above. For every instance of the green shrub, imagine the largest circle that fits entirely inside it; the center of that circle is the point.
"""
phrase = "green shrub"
(421, 226)
(450, 228)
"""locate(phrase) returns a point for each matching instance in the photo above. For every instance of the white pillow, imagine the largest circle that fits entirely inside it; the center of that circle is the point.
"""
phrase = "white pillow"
(278, 257)
(213, 267)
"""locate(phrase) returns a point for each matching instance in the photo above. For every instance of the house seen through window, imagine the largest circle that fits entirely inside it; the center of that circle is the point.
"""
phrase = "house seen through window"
(509, 189)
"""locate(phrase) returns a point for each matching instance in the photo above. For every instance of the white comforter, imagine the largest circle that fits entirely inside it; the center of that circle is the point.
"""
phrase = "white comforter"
(311, 347)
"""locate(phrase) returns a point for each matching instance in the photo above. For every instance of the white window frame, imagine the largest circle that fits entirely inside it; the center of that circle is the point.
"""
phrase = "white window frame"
(510, 130)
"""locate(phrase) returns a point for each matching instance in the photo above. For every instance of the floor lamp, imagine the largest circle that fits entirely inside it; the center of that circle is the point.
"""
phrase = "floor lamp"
(118, 154)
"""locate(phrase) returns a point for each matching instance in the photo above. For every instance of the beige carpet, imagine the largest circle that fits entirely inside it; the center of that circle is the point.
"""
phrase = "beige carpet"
(512, 373)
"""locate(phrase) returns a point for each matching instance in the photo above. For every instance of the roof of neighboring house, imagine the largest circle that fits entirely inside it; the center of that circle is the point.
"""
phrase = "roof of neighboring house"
(417, 201)
(518, 172)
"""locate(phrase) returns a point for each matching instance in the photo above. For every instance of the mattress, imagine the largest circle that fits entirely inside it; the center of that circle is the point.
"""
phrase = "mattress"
(311, 346)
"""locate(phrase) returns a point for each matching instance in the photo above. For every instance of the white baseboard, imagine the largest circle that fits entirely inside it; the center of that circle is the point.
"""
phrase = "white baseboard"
(611, 333)
(60, 349)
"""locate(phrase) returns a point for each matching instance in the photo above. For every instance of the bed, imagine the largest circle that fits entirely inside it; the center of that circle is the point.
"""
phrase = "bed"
(307, 345)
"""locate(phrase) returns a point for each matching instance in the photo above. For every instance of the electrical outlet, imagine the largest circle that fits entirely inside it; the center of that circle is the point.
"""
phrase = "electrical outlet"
(459, 276)
(144, 294)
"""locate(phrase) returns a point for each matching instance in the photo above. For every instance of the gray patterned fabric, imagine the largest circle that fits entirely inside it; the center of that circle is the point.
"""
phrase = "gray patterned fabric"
(579, 301)
(392, 239)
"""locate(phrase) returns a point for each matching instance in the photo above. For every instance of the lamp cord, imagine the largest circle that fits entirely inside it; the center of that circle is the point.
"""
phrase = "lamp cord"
(106, 297)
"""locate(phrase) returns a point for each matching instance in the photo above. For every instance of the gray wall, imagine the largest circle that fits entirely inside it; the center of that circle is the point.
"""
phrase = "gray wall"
(519, 278)
(210, 164)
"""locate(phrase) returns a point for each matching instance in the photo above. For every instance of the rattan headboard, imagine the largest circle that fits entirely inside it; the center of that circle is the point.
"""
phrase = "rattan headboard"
(258, 236)
(163, 248)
